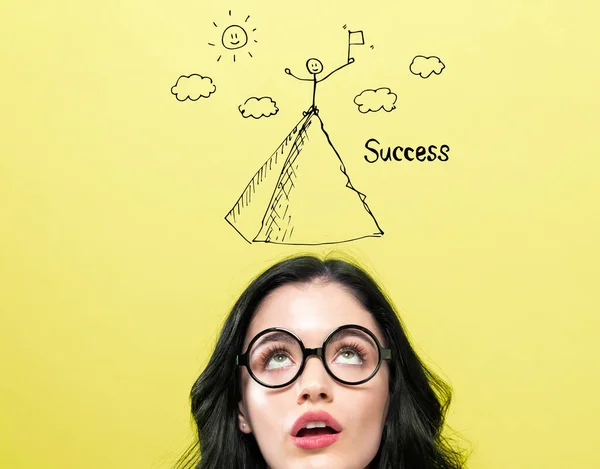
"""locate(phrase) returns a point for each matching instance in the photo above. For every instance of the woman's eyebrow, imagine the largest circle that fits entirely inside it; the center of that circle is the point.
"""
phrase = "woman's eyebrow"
(349, 333)
(287, 338)
(360, 334)
(276, 337)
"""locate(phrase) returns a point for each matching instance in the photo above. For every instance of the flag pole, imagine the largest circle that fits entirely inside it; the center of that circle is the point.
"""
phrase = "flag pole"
(349, 33)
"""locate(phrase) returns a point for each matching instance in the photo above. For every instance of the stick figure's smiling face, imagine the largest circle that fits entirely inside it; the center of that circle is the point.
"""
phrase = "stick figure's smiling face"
(314, 66)
(234, 37)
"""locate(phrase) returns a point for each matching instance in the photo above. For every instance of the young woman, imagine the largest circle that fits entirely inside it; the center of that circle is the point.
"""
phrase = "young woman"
(313, 370)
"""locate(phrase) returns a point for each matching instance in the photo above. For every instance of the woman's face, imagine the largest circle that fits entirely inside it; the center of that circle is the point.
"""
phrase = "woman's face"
(312, 311)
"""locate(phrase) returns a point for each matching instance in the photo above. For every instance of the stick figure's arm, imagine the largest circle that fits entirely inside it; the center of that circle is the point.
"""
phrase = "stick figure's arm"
(350, 61)
(288, 71)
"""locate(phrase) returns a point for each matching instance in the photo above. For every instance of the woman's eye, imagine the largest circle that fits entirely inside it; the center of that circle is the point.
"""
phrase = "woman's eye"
(277, 361)
(351, 357)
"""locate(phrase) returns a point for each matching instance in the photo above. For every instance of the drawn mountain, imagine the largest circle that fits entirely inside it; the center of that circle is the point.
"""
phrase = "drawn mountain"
(303, 195)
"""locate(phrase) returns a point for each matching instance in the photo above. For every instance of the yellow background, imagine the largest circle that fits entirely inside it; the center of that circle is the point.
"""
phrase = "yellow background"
(117, 268)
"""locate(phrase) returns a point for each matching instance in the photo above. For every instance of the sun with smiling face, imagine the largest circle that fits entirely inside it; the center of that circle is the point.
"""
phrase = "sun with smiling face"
(235, 38)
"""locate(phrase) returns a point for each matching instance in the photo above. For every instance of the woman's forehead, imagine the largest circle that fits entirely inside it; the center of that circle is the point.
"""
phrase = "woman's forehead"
(311, 311)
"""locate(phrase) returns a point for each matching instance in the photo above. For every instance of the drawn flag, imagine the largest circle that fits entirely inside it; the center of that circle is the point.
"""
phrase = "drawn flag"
(356, 38)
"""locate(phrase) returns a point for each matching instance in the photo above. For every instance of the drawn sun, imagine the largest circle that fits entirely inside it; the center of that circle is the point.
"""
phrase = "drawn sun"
(235, 37)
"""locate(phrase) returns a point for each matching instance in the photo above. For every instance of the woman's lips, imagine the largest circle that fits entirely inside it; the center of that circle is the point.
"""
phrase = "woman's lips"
(315, 441)
(315, 416)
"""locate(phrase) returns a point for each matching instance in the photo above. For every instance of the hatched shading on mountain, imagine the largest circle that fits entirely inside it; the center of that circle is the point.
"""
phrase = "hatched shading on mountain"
(303, 195)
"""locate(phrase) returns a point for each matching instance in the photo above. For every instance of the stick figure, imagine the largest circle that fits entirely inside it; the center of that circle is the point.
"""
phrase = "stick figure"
(315, 67)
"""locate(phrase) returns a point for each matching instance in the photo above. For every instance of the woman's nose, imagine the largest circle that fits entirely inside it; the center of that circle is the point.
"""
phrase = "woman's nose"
(314, 383)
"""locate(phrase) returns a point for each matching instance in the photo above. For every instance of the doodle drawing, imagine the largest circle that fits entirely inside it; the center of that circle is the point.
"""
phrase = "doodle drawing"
(193, 87)
(302, 194)
(424, 66)
(258, 107)
(376, 100)
(234, 38)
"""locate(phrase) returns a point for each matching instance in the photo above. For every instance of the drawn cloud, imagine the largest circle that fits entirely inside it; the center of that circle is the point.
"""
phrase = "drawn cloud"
(375, 100)
(258, 107)
(193, 87)
(425, 66)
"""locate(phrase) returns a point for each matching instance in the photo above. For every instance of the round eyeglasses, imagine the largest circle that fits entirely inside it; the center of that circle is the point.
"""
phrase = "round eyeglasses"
(351, 354)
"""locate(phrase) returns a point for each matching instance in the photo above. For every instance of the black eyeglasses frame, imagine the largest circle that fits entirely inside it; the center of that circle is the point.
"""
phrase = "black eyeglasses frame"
(383, 354)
